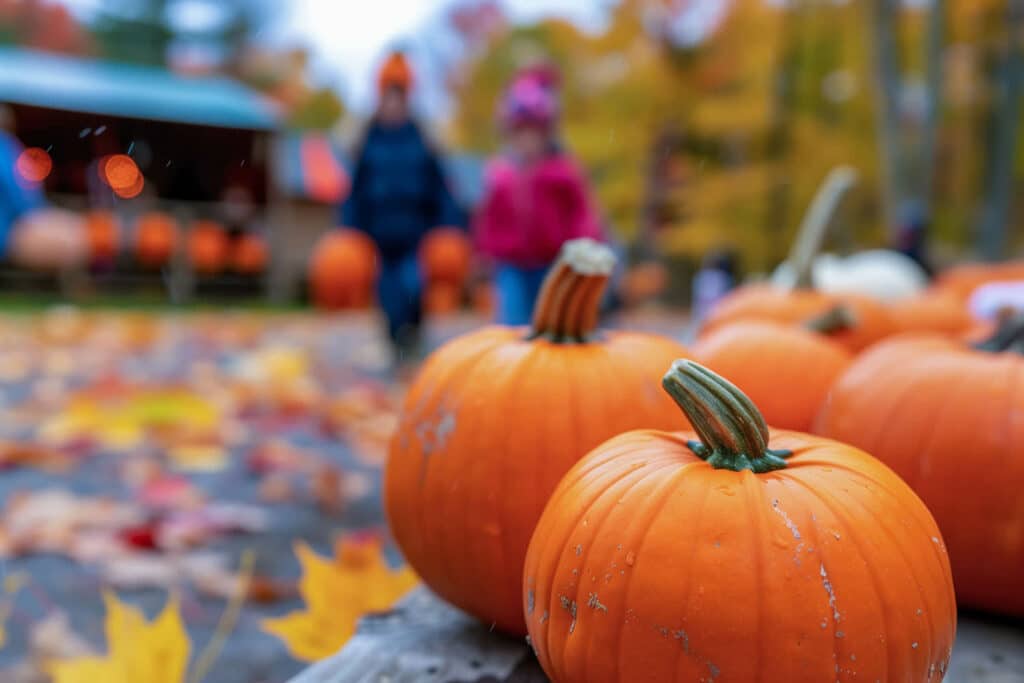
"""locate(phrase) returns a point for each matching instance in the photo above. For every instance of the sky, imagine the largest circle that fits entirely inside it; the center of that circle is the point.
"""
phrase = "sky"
(349, 37)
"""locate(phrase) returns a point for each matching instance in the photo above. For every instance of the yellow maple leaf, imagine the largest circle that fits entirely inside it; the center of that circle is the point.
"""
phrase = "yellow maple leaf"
(138, 650)
(337, 592)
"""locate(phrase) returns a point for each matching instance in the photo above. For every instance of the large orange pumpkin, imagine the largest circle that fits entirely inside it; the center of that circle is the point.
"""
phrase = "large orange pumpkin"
(948, 419)
(961, 281)
(786, 370)
(494, 420)
(765, 302)
(249, 254)
(931, 312)
(156, 238)
(735, 553)
(342, 270)
(103, 233)
(208, 247)
(445, 256)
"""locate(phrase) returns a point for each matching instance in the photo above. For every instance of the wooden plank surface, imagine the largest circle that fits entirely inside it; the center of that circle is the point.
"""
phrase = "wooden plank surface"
(423, 640)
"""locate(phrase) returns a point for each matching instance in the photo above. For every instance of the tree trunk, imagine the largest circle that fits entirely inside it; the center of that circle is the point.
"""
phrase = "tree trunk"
(996, 212)
(883, 23)
(934, 41)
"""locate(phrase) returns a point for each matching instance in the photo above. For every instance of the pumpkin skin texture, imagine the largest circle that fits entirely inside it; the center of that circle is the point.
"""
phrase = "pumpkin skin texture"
(785, 370)
(948, 422)
(764, 302)
(493, 421)
(656, 560)
(931, 312)
(342, 270)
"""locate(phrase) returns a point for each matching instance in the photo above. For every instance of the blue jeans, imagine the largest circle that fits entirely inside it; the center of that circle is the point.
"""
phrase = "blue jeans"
(399, 291)
(517, 292)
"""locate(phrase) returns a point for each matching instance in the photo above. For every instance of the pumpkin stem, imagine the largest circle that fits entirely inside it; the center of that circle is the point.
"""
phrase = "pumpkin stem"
(567, 306)
(1009, 336)
(837, 319)
(733, 434)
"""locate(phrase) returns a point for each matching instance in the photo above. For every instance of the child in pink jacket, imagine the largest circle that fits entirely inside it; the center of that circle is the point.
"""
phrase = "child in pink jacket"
(536, 198)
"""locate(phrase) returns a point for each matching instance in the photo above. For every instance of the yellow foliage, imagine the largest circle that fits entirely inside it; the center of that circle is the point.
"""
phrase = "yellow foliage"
(155, 652)
(337, 592)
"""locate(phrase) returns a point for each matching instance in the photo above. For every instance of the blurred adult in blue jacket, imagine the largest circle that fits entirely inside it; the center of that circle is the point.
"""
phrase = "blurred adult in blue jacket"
(18, 195)
(398, 194)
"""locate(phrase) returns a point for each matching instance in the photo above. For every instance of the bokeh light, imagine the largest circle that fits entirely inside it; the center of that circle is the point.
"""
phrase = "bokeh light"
(131, 191)
(34, 164)
(121, 173)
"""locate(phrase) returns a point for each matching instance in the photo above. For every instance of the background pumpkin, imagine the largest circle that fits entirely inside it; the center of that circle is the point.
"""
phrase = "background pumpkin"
(103, 235)
(961, 281)
(442, 298)
(765, 302)
(208, 247)
(249, 254)
(744, 556)
(934, 311)
(786, 370)
(445, 255)
(494, 420)
(947, 418)
(156, 238)
(343, 269)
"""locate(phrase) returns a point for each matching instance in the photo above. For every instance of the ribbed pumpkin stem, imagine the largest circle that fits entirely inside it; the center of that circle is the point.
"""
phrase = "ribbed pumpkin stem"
(836, 319)
(733, 434)
(567, 307)
(1009, 336)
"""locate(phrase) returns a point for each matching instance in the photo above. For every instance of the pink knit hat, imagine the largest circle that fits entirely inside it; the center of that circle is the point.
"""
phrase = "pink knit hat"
(531, 99)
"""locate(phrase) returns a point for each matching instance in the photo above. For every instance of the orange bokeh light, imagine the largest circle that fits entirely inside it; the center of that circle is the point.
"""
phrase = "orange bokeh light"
(133, 190)
(120, 172)
(34, 164)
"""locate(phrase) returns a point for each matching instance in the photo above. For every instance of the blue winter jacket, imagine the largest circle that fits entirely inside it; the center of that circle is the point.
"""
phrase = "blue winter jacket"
(398, 190)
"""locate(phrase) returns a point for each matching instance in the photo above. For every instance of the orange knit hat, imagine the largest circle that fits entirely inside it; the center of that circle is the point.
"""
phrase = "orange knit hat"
(395, 73)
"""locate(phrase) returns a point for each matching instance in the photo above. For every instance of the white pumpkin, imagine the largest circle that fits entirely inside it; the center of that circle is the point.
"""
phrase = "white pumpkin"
(879, 273)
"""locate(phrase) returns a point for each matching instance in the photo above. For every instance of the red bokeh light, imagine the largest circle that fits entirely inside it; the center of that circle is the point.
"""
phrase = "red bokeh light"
(34, 164)
(131, 191)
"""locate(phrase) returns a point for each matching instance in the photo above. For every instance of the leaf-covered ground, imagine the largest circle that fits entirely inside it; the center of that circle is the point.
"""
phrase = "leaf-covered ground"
(147, 454)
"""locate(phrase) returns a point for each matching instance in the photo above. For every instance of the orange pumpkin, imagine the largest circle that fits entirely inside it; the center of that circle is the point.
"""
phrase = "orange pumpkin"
(484, 298)
(103, 233)
(931, 312)
(445, 256)
(442, 298)
(156, 238)
(735, 553)
(764, 302)
(249, 255)
(947, 418)
(784, 369)
(493, 421)
(208, 247)
(961, 281)
(343, 270)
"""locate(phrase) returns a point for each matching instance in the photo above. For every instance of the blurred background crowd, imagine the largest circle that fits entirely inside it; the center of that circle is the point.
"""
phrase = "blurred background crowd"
(171, 148)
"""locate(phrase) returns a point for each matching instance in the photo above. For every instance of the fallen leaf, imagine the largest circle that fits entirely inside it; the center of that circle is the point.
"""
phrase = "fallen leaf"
(337, 592)
(137, 650)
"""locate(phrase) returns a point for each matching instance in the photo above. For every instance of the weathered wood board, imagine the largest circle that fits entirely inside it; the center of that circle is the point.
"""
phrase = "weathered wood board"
(423, 640)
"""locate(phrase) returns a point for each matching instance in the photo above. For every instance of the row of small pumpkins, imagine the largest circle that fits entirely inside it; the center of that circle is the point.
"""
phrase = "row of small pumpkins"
(517, 490)
(55, 238)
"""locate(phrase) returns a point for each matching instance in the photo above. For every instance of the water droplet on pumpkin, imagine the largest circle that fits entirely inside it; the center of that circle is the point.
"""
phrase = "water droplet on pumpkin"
(630, 558)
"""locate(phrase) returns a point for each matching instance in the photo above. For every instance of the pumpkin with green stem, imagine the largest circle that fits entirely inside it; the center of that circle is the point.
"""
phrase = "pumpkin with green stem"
(735, 553)
(496, 417)
(949, 418)
(785, 369)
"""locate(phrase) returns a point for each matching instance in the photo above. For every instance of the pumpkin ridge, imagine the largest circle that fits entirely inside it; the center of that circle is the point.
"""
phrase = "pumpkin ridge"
(583, 554)
(664, 492)
(756, 494)
(824, 491)
(552, 560)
